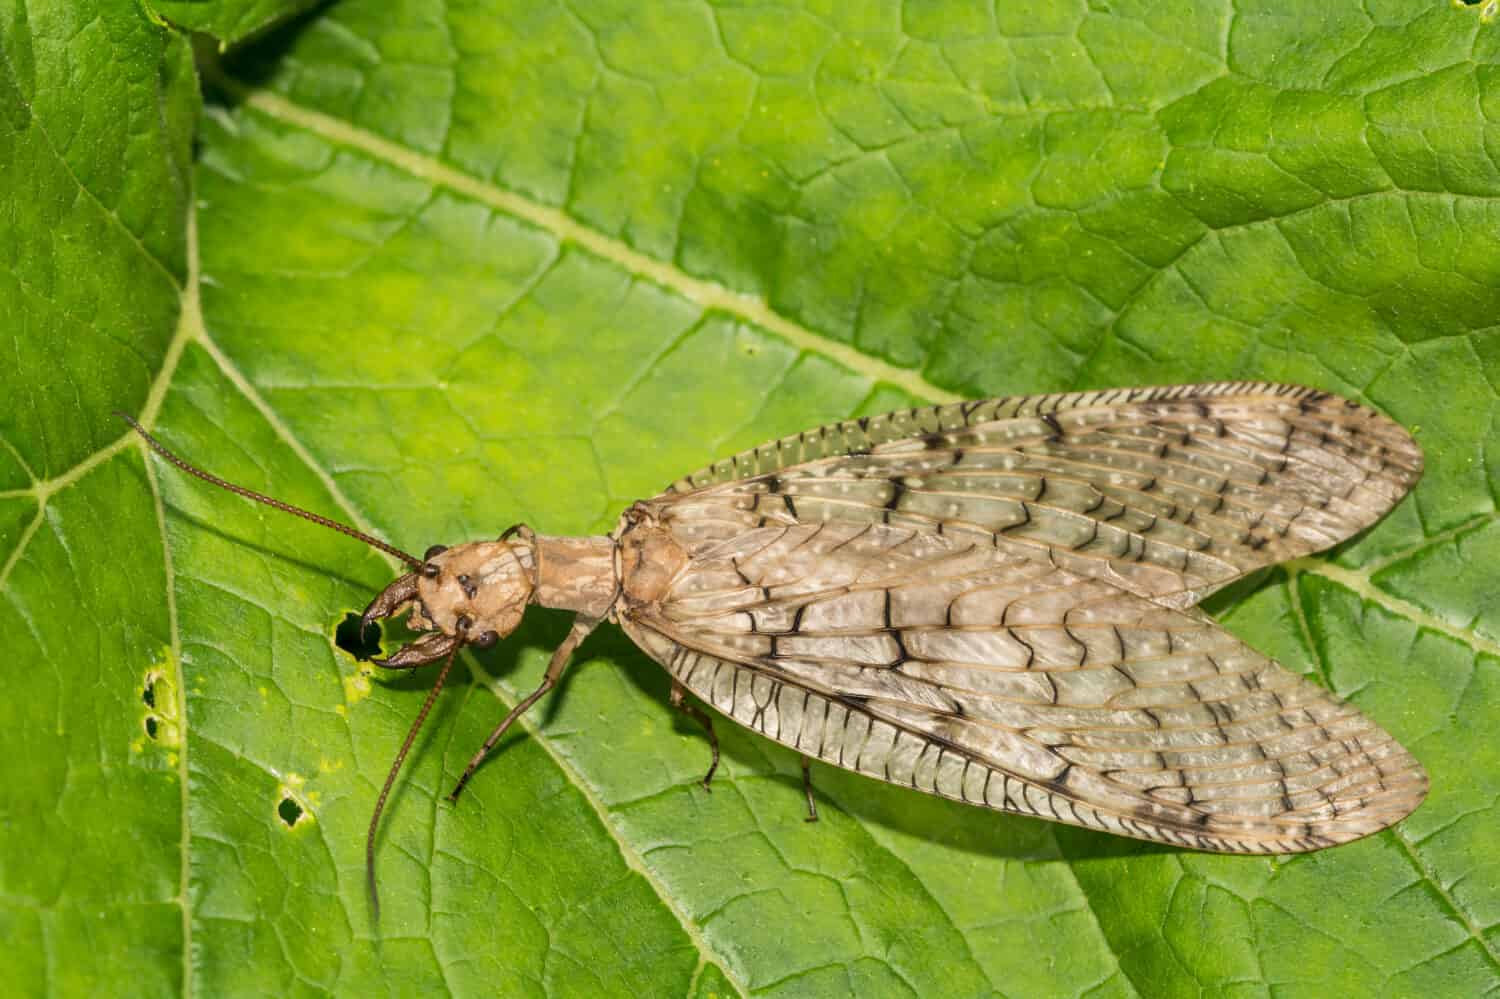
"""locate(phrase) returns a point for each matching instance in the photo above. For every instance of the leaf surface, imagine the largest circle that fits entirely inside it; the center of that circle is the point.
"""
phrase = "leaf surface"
(449, 266)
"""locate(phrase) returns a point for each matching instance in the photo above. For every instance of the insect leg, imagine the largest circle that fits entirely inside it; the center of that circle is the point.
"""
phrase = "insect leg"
(560, 657)
(812, 806)
(681, 703)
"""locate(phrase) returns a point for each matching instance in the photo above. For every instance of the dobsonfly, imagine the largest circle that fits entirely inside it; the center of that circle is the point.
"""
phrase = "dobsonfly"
(991, 601)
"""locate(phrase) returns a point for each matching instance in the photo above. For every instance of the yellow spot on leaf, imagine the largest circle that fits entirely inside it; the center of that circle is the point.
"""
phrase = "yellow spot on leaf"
(356, 687)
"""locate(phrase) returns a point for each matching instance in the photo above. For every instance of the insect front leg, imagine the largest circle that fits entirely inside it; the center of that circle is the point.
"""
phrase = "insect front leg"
(681, 703)
(560, 658)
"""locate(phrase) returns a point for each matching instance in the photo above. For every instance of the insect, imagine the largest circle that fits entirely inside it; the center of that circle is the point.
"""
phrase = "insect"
(991, 601)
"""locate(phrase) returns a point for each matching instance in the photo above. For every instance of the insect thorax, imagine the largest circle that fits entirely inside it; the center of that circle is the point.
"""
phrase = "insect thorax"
(650, 558)
(577, 574)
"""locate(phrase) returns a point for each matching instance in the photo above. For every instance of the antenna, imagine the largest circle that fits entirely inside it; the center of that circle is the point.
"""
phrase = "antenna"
(295, 511)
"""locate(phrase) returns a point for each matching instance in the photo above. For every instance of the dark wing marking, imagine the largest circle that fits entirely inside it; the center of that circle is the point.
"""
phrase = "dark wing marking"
(955, 668)
(1169, 492)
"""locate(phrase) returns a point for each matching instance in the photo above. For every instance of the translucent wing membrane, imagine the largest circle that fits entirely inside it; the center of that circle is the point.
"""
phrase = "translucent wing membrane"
(1166, 492)
(957, 668)
(991, 601)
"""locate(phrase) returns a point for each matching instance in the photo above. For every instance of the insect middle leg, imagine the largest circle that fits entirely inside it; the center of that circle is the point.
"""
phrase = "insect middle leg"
(681, 703)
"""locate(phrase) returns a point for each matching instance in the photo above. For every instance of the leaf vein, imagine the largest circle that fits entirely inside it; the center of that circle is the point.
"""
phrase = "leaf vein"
(708, 294)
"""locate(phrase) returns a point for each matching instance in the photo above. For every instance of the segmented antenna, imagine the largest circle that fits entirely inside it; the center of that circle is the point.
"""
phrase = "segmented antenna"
(297, 511)
(390, 780)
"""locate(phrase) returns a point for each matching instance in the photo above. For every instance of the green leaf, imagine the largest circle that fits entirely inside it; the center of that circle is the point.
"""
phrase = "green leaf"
(446, 267)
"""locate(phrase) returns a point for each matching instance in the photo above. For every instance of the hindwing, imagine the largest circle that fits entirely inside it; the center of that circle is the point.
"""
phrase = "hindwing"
(957, 668)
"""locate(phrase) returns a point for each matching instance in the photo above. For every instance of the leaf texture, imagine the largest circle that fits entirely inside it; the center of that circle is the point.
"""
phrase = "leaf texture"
(438, 267)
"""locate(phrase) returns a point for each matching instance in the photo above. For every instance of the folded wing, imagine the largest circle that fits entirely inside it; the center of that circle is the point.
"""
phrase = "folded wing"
(948, 664)
(1168, 493)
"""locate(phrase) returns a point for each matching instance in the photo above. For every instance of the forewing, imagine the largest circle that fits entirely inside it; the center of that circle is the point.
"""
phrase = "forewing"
(953, 667)
(1168, 492)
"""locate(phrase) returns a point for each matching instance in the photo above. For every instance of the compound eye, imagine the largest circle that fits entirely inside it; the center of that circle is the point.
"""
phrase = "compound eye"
(487, 639)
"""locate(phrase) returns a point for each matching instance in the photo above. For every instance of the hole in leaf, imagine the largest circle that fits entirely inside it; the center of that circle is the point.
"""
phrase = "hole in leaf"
(151, 725)
(148, 692)
(351, 641)
(289, 811)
